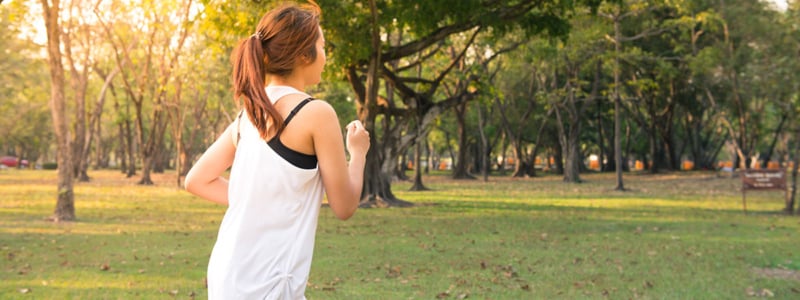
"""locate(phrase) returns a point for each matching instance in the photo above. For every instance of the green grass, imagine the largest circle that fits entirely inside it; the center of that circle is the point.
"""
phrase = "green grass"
(671, 236)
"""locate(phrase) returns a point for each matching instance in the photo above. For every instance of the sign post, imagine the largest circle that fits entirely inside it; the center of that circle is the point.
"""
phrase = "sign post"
(759, 180)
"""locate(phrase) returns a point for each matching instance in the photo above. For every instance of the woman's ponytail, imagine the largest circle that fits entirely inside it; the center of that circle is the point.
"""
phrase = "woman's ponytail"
(249, 65)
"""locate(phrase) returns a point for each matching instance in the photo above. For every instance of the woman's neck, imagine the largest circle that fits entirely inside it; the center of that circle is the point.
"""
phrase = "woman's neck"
(278, 81)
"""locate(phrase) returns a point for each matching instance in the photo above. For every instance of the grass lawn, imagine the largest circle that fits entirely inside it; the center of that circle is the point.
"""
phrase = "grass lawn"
(671, 236)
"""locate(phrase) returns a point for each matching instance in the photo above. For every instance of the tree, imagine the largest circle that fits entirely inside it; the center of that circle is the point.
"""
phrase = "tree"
(521, 95)
(364, 57)
(580, 54)
(65, 203)
(747, 32)
(617, 13)
(168, 27)
(790, 39)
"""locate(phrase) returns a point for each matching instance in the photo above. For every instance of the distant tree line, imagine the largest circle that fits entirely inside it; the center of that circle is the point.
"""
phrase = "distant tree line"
(144, 88)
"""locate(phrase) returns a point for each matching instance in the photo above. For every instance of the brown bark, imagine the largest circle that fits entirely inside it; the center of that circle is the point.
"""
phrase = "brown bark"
(65, 203)
(94, 120)
(460, 164)
(791, 199)
(79, 80)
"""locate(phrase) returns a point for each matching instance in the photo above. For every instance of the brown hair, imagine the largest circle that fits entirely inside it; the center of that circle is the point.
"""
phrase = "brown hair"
(285, 34)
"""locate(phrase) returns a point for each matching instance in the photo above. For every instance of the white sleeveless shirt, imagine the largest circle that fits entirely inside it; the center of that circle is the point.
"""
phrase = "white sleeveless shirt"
(266, 238)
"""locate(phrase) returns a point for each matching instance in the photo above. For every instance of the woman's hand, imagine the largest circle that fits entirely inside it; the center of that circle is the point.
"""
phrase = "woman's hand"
(357, 139)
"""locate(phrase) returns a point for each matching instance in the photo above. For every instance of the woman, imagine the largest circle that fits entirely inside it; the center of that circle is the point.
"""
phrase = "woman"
(284, 150)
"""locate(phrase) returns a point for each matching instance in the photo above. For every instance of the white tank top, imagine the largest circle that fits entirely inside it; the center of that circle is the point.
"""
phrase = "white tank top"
(266, 238)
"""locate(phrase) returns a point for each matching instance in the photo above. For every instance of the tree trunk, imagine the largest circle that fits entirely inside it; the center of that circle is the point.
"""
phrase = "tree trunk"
(130, 152)
(537, 144)
(501, 164)
(601, 137)
(94, 120)
(572, 161)
(122, 157)
(617, 107)
(777, 134)
(418, 186)
(485, 152)
(429, 156)
(652, 135)
(78, 84)
(377, 190)
(569, 142)
(65, 203)
(790, 201)
(558, 160)
(460, 165)
(151, 148)
(627, 152)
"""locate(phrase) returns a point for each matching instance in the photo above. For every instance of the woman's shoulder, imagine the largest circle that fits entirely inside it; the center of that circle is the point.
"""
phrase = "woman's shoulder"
(318, 108)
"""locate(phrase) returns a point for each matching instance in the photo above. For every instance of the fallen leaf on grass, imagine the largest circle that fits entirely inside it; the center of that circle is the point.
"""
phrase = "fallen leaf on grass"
(648, 284)
(25, 291)
(750, 291)
(394, 272)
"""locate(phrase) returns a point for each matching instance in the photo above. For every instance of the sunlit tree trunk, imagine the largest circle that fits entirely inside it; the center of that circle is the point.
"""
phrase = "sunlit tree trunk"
(65, 203)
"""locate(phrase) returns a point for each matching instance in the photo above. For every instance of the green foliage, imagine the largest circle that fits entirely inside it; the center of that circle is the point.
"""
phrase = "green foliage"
(24, 88)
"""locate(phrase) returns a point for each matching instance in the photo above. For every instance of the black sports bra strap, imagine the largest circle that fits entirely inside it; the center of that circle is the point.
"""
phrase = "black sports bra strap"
(238, 127)
(295, 110)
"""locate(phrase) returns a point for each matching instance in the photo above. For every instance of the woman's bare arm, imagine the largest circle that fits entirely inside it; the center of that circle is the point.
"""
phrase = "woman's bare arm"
(205, 178)
(343, 180)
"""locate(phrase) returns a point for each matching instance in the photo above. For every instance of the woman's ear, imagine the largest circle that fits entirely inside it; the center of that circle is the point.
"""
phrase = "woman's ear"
(305, 59)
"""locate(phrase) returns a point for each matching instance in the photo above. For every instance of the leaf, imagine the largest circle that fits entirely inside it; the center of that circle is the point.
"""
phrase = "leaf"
(393, 272)
(648, 284)
(750, 291)
(25, 290)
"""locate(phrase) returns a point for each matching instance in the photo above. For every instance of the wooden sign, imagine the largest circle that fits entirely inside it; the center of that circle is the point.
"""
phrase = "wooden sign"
(763, 179)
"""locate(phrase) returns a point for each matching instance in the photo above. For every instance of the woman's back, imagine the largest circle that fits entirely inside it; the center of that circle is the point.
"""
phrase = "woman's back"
(266, 238)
